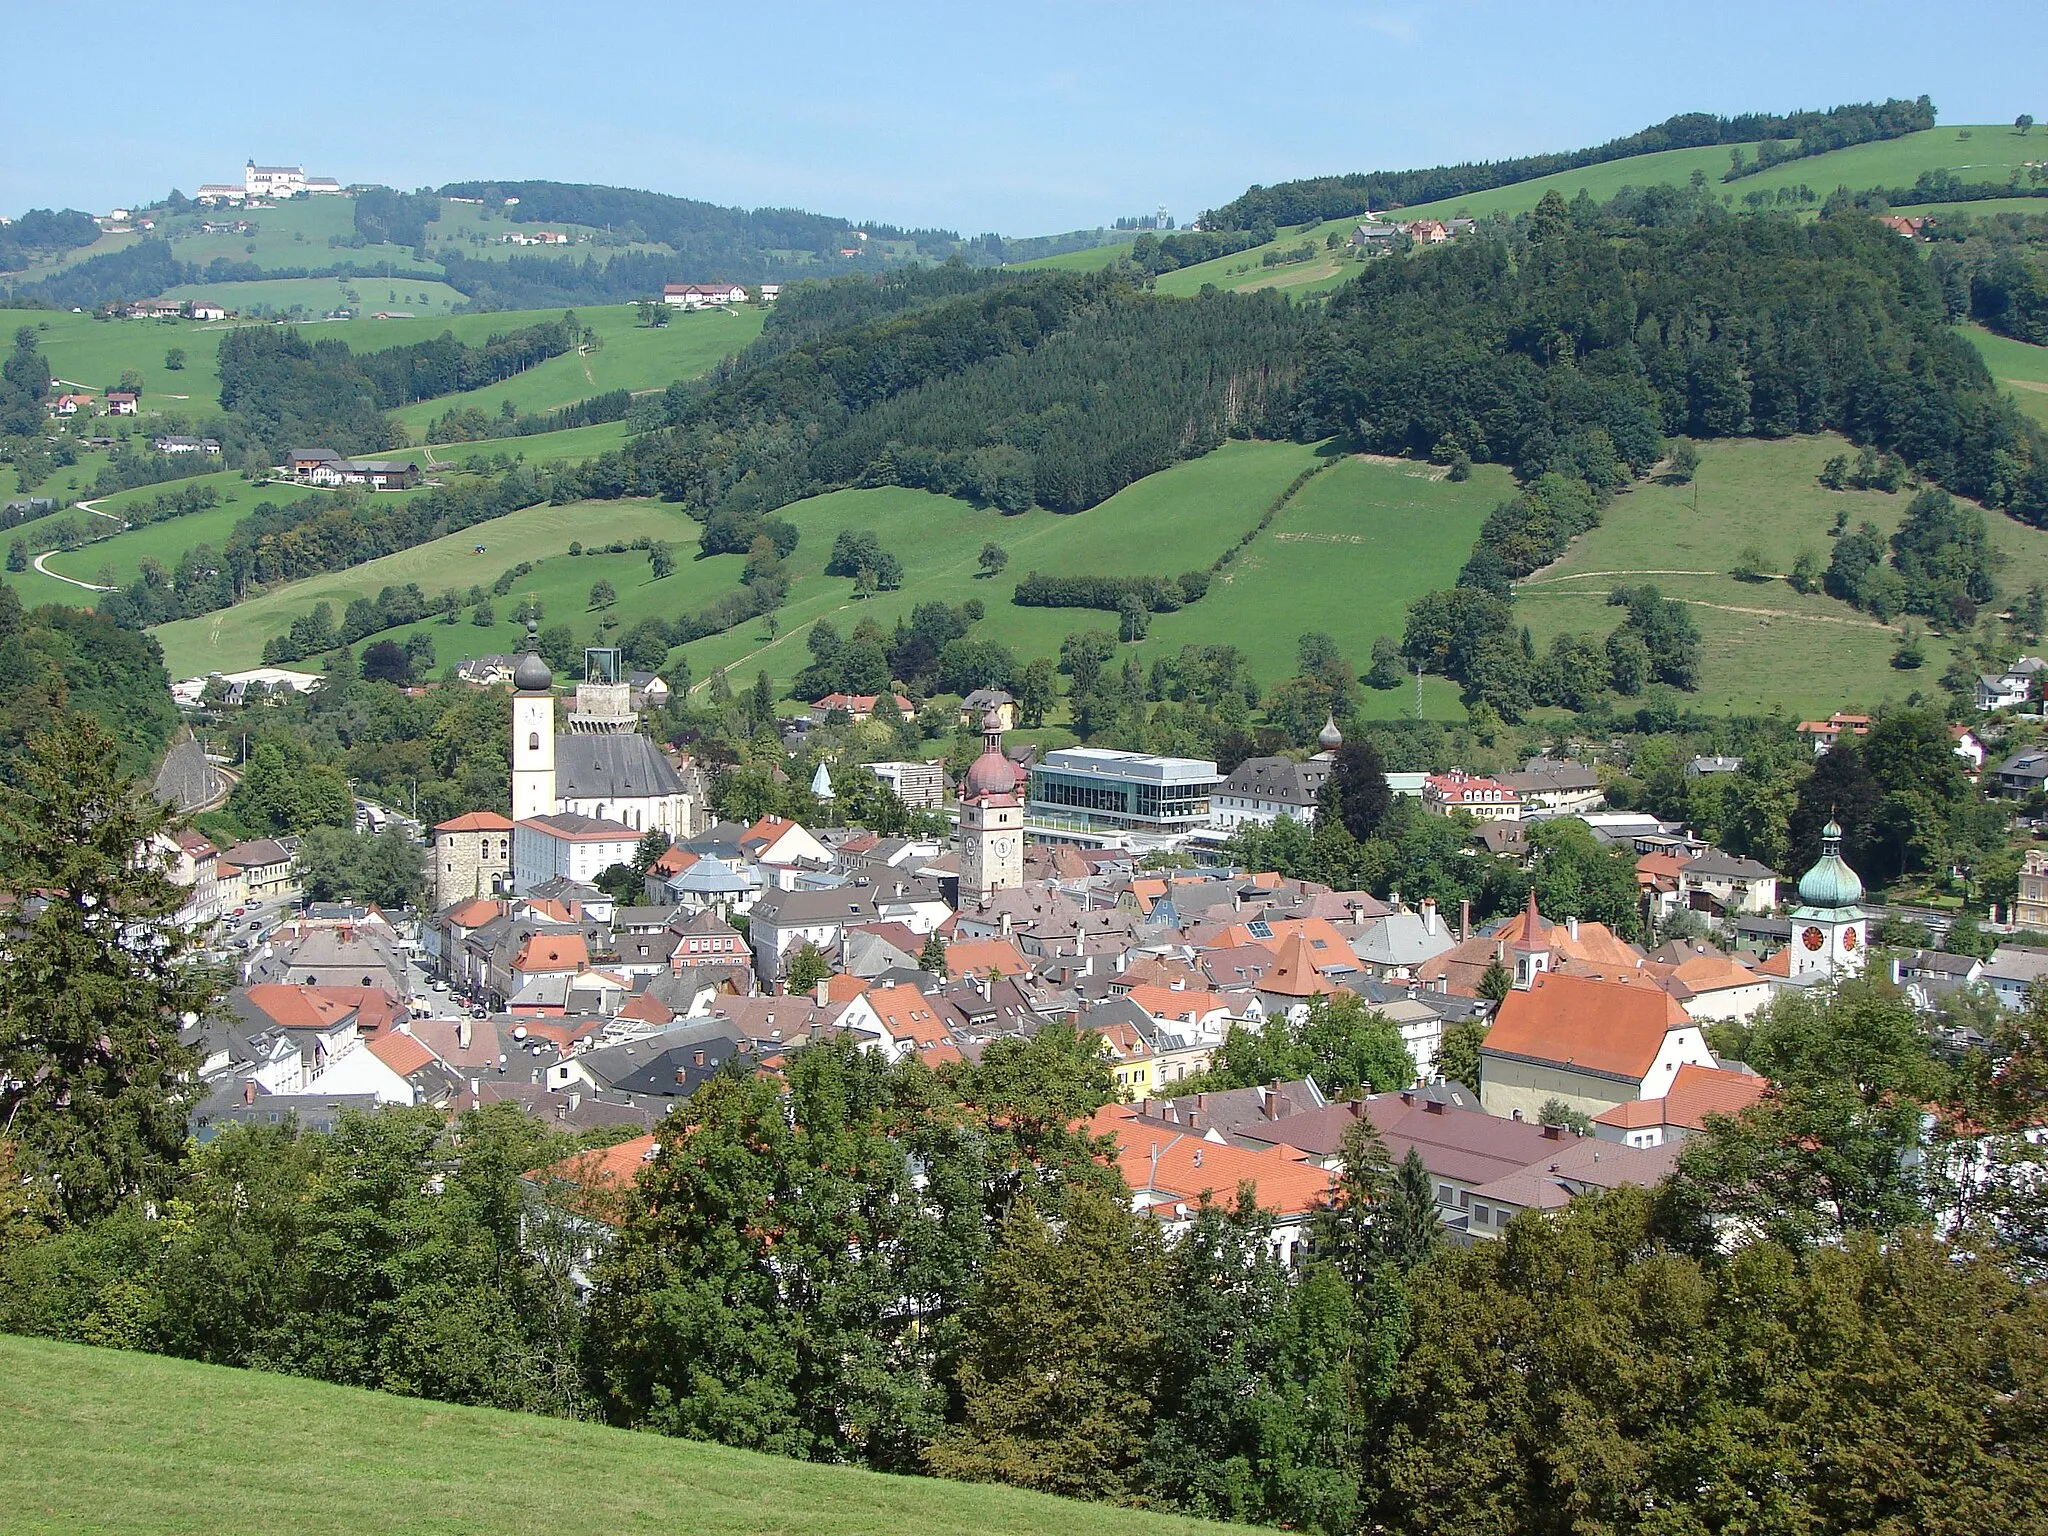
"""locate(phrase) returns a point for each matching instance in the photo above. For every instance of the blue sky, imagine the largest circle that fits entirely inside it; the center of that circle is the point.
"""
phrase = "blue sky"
(1026, 118)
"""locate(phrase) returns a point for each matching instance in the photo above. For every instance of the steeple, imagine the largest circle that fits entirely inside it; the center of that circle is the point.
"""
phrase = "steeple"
(1828, 937)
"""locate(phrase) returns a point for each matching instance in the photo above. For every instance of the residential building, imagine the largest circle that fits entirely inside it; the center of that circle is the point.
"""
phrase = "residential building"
(858, 708)
(781, 920)
(1825, 733)
(1706, 767)
(1263, 789)
(1724, 883)
(1589, 1044)
(920, 786)
(1094, 789)
(266, 867)
(702, 295)
(207, 309)
(978, 703)
(2031, 910)
(121, 402)
(1556, 787)
(1485, 799)
(2013, 973)
(568, 846)
(2023, 773)
(2003, 690)
(1695, 1093)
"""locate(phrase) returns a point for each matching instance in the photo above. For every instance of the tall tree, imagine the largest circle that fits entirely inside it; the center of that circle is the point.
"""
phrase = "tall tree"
(95, 981)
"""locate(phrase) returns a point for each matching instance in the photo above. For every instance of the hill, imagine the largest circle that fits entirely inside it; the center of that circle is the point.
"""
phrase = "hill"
(2018, 367)
(1765, 646)
(108, 1441)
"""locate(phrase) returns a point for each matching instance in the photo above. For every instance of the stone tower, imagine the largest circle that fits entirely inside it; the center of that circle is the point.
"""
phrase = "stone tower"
(991, 819)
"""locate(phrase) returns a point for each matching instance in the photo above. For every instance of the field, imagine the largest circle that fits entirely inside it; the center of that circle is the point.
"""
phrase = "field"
(2018, 367)
(464, 227)
(294, 233)
(1766, 646)
(94, 353)
(112, 1442)
(313, 297)
(234, 637)
(633, 357)
(1086, 260)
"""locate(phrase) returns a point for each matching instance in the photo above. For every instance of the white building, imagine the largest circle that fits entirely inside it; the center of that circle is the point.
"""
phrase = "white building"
(568, 847)
(1828, 927)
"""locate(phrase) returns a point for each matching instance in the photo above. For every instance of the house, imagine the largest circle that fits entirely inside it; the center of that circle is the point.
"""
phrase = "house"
(975, 707)
(2005, 690)
(386, 474)
(1483, 798)
(1825, 733)
(1427, 232)
(121, 402)
(919, 785)
(487, 671)
(857, 707)
(315, 466)
(1722, 883)
(1396, 946)
(2014, 971)
(1968, 748)
(568, 845)
(266, 866)
(1707, 767)
(1374, 238)
(1529, 945)
(702, 295)
(71, 405)
(1588, 1044)
(1556, 786)
(1263, 789)
(2023, 773)
(1898, 224)
(169, 444)
(156, 309)
(781, 920)
(207, 309)
(2031, 910)
(1695, 1093)
(192, 864)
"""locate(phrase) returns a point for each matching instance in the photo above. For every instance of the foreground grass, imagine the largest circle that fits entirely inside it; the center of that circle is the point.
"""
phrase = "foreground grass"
(108, 1442)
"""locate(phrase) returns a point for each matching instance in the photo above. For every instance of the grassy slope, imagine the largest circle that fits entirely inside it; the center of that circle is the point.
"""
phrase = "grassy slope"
(109, 1442)
(633, 357)
(459, 221)
(1766, 646)
(315, 296)
(96, 352)
(234, 637)
(2019, 368)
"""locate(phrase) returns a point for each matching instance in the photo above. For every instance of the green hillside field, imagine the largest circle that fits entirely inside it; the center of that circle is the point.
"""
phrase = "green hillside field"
(110, 1442)
(1766, 646)
(2020, 368)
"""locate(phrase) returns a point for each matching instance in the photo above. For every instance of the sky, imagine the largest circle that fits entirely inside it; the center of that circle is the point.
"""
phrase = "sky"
(1027, 118)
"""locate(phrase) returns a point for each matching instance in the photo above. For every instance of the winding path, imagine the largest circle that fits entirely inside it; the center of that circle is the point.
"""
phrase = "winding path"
(73, 581)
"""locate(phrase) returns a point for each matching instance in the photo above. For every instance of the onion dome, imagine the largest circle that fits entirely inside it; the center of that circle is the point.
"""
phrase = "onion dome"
(532, 675)
(991, 774)
(1830, 883)
(1331, 738)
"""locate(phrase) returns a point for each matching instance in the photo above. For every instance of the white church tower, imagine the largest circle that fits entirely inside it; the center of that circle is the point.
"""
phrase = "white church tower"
(1829, 929)
(991, 820)
(533, 733)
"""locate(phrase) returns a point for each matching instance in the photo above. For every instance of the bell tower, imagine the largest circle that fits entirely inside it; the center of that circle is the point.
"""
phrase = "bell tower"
(533, 733)
(991, 819)
(1829, 929)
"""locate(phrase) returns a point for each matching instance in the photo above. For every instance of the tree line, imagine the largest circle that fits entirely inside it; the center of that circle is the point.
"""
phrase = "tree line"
(1333, 197)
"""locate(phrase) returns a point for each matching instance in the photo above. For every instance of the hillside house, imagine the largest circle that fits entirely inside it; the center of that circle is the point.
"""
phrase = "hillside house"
(1485, 799)
(208, 309)
(702, 295)
(171, 445)
(71, 405)
(1825, 733)
(1373, 238)
(121, 402)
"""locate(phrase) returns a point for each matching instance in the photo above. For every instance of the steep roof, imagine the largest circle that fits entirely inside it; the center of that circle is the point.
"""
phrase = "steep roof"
(1697, 1092)
(1182, 1168)
(1294, 972)
(624, 766)
(1614, 1028)
(977, 957)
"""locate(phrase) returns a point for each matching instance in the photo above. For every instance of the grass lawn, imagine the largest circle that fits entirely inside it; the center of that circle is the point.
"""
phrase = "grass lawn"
(1084, 260)
(234, 637)
(294, 233)
(2018, 367)
(1766, 646)
(95, 353)
(633, 357)
(110, 1442)
(461, 223)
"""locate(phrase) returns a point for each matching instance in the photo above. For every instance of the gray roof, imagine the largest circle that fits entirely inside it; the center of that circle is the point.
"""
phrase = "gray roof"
(187, 781)
(1714, 864)
(666, 1064)
(620, 767)
(2032, 763)
(1402, 938)
(1280, 780)
(2017, 963)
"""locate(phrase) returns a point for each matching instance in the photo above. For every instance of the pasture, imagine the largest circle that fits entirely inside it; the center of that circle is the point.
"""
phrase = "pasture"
(1765, 646)
(2020, 369)
(116, 1442)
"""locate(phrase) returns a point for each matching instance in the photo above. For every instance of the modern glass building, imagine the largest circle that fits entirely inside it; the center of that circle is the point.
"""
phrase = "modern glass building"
(1091, 789)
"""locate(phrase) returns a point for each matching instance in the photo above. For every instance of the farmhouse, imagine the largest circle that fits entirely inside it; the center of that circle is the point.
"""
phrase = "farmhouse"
(71, 405)
(120, 402)
(185, 444)
(156, 309)
(208, 309)
(702, 295)
(323, 466)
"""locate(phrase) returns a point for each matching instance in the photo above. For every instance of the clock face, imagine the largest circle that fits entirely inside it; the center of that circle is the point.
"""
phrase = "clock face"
(1001, 847)
(1813, 938)
(1848, 938)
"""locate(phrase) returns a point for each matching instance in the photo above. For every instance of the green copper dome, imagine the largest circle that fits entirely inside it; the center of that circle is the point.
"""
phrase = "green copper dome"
(1830, 883)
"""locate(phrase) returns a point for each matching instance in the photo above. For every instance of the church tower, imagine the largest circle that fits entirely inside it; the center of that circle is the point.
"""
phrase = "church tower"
(1828, 927)
(533, 733)
(991, 820)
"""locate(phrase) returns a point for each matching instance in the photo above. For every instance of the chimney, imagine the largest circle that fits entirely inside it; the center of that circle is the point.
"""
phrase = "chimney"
(249, 1091)
(1003, 924)
(1553, 1133)
(824, 990)
(1572, 927)
(462, 1033)
(1432, 1106)
(1429, 914)
(1408, 1096)
(1464, 921)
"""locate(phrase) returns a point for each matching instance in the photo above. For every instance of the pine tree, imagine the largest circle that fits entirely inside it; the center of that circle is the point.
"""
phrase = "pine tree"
(1495, 982)
(94, 980)
(933, 956)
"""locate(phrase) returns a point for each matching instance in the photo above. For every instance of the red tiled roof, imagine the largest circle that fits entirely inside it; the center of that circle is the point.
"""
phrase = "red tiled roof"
(400, 1052)
(977, 957)
(552, 952)
(299, 1007)
(475, 821)
(1697, 1092)
(1602, 1026)
(1186, 1167)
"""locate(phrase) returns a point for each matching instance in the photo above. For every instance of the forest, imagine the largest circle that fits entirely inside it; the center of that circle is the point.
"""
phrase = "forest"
(1334, 197)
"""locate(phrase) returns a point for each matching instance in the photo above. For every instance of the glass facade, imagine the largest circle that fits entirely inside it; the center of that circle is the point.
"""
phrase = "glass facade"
(1100, 790)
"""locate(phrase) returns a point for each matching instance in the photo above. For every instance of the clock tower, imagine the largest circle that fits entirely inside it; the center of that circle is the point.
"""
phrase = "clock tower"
(991, 820)
(533, 733)
(1829, 929)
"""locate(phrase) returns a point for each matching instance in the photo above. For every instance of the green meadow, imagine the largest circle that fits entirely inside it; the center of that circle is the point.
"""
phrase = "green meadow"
(1765, 646)
(635, 357)
(313, 297)
(465, 228)
(2020, 369)
(114, 1442)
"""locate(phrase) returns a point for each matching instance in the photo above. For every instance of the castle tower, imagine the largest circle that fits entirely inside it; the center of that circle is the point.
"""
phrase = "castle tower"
(1828, 927)
(533, 733)
(604, 699)
(991, 819)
